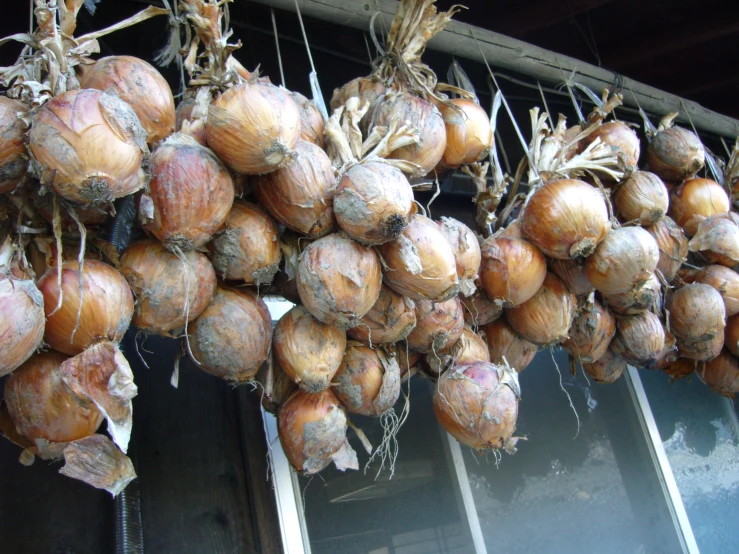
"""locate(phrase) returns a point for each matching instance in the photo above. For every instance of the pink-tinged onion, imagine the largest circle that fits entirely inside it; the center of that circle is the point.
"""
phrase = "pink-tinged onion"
(721, 374)
(88, 146)
(622, 138)
(623, 261)
(469, 348)
(254, 127)
(479, 309)
(648, 296)
(311, 120)
(466, 250)
(390, 320)
(717, 239)
(673, 246)
(512, 270)
(696, 313)
(505, 345)
(675, 154)
(643, 197)
(438, 325)
(639, 339)
(723, 279)
(607, 369)
(368, 380)
(469, 135)
(566, 219)
(571, 273)
(13, 154)
(339, 280)
(731, 335)
(308, 351)
(591, 333)
(478, 405)
(696, 200)
(166, 287)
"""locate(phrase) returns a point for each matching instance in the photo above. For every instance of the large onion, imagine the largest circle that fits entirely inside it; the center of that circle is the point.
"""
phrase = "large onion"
(639, 339)
(607, 369)
(166, 287)
(702, 350)
(512, 270)
(675, 154)
(469, 348)
(723, 279)
(625, 259)
(311, 120)
(507, 346)
(368, 380)
(339, 280)
(469, 135)
(13, 155)
(390, 320)
(645, 297)
(438, 325)
(673, 246)
(466, 250)
(479, 309)
(478, 405)
(571, 273)
(566, 219)
(104, 305)
(695, 200)
(731, 335)
(717, 239)
(643, 197)
(308, 351)
(696, 313)
(141, 86)
(621, 137)
(89, 146)
(546, 317)
(253, 127)
(721, 374)
(591, 333)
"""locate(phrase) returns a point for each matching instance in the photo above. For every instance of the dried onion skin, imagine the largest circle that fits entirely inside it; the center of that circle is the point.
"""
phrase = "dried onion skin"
(507, 346)
(311, 120)
(731, 335)
(466, 250)
(696, 313)
(368, 381)
(571, 273)
(717, 239)
(13, 154)
(607, 369)
(721, 374)
(723, 279)
(469, 135)
(438, 325)
(391, 319)
(512, 270)
(675, 154)
(22, 320)
(591, 333)
(479, 309)
(673, 246)
(469, 348)
(621, 137)
(648, 296)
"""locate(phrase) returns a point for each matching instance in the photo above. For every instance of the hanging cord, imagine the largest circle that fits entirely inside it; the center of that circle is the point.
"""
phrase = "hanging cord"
(314, 85)
(546, 107)
(180, 63)
(277, 44)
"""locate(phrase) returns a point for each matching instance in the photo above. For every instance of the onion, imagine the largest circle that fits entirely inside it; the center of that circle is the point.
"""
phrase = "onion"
(512, 230)
(591, 333)
(438, 325)
(675, 154)
(301, 195)
(367, 89)
(723, 279)
(669, 354)
(622, 138)
(104, 305)
(88, 215)
(702, 350)
(696, 313)
(466, 250)
(648, 296)
(469, 135)
(469, 348)
(141, 86)
(368, 381)
(390, 320)
(312, 430)
(190, 194)
(694, 201)
(13, 155)
(420, 263)
(507, 346)
(408, 360)
(681, 367)
(546, 317)
(253, 127)
(184, 122)
(512, 270)
(479, 309)
(721, 374)
(731, 335)
(308, 351)
(571, 273)
(478, 405)
(643, 197)
(339, 280)
(311, 120)
(624, 261)
(247, 247)
(373, 202)
(673, 246)
(277, 389)
(231, 338)
(717, 239)
(166, 287)
(607, 369)
(88, 146)
(639, 339)
(566, 219)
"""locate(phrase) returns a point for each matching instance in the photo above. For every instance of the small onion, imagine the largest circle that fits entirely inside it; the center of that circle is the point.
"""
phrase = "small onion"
(469, 135)
(546, 317)
(166, 287)
(621, 137)
(373, 202)
(368, 380)
(253, 127)
(478, 405)
(141, 86)
(466, 250)
(571, 273)
(566, 219)
(469, 348)
(723, 279)
(13, 155)
(639, 339)
(694, 201)
(390, 320)
(247, 247)
(339, 280)
(625, 259)
(591, 333)
(308, 351)
(438, 325)
(721, 374)
(301, 195)
(89, 147)
(717, 239)
(231, 338)
(311, 120)
(696, 313)
(731, 335)
(479, 309)
(643, 197)
(104, 305)
(507, 346)
(675, 154)
(607, 369)
(673, 246)
(648, 296)
(512, 270)
(420, 262)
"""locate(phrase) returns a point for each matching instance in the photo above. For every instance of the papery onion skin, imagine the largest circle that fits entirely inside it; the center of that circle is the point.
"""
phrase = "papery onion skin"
(408, 360)
(721, 374)
(512, 270)
(479, 309)
(307, 350)
(505, 345)
(646, 297)
(701, 350)
(141, 86)
(675, 154)
(360, 380)
(566, 219)
(183, 115)
(723, 279)
(231, 338)
(89, 216)
(160, 281)
(311, 120)
(469, 135)
(339, 280)
(607, 369)
(620, 136)
(639, 339)
(680, 368)
(107, 306)
(13, 154)
(22, 321)
(391, 319)
(643, 197)
(717, 239)
(696, 313)
(695, 200)
(279, 390)
(466, 250)
(88, 146)
(469, 348)
(673, 246)
(731, 335)
(253, 127)
(591, 333)
(367, 89)
(623, 261)
(438, 325)
(571, 273)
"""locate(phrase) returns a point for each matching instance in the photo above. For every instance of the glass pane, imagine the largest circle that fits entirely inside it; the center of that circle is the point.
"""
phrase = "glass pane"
(700, 433)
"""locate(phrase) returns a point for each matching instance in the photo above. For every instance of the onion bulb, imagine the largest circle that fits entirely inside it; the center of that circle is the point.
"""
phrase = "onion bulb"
(368, 380)
(408, 360)
(308, 351)
(88, 146)
(546, 317)
(373, 202)
(673, 246)
(390, 320)
(339, 280)
(507, 346)
(301, 195)
(466, 250)
(512, 230)
(621, 137)
(723, 279)
(141, 86)
(253, 127)
(717, 239)
(591, 333)
(571, 273)
(702, 350)
(695, 200)
(679, 368)
(166, 287)
(696, 313)
(643, 197)
(675, 154)
(367, 89)
(277, 387)
(469, 135)
(625, 259)
(478, 405)
(639, 339)
(479, 309)
(438, 325)
(190, 194)
(88, 215)
(311, 120)
(104, 305)
(721, 374)
(420, 263)
(512, 270)
(469, 348)
(731, 335)
(607, 369)
(566, 219)
(231, 338)
(648, 296)
(13, 154)
(247, 247)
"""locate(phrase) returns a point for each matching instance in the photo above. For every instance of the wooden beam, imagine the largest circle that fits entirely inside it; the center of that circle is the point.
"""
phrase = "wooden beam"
(530, 17)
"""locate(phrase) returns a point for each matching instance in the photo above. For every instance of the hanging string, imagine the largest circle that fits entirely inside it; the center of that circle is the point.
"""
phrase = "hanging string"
(314, 85)
(180, 63)
(277, 44)
(546, 107)
(711, 162)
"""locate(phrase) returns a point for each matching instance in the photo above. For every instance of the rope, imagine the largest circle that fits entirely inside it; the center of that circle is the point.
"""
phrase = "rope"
(277, 44)
(314, 85)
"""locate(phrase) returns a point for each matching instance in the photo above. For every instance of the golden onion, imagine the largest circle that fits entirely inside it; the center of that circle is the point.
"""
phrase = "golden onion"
(731, 335)
(277, 388)
(571, 273)
(621, 137)
(723, 279)
(507, 346)
(469, 135)
(13, 154)
(466, 250)
(311, 120)
(696, 200)
(607, 369)
(721, 374)
(390, 320)
(368, 380)
(642, 197)
(591, 333)
(701, 350)
(675, 154)
(673, 246)
(512, 270)
(640, 339)
(696, 313)
(717, 239)
(648, 296)
(438, 325)
(479, 309)
(469, 348)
